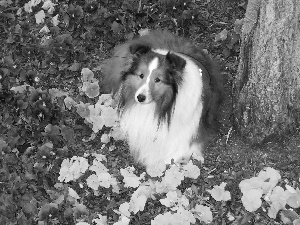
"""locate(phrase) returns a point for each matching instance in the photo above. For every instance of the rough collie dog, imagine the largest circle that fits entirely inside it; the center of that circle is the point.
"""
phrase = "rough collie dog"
(168, 92)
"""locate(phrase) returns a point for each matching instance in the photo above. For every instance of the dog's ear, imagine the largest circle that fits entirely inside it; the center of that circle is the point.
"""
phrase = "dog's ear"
(175, 61)
(139, 49)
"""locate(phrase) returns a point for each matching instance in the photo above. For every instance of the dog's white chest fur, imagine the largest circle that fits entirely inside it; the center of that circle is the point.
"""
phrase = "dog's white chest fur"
(152, 144)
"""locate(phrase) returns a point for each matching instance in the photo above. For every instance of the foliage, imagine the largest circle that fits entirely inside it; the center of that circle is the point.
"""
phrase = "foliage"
(62, 161)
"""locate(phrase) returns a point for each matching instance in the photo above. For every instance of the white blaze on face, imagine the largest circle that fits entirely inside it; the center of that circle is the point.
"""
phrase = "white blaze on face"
(145, 89)
(161, 51)
(153, 65)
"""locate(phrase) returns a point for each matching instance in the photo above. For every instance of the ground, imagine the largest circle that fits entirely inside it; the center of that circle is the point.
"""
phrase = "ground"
(38, 131)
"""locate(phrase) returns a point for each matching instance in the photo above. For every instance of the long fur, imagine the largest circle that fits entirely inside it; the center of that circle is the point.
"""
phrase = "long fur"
(177, 124)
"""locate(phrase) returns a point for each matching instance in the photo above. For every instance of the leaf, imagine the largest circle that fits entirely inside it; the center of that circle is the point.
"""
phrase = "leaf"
(203, 213)
(290, 189)
(40, 17)
(8, 16)
(59, 200)
(79, 166)
(185, 216)
(73, 193)
(124, 209)
(230, 216)
(198, 157)
(28, 7)
(101, 221)
(130, 179)
(109, 115)
(100, 157)
(105, 99)
(117, 134)
(21, 89)
(28, 204)
(270, 175)
(226, 52)
(124, 221)
(55, 20)
(288, 216)
(78, 11)
(56, 93)
(156, 170)
(222, 36)
(5, 3)
(45, 29)
(116, 27)
(65, 39)
(252, 183)
(102, 178)
(18, 29)
(114, 184)
(98, 166)
(3, 144)
(10, 39)
(67, 133)
(294, 199)
(48, 5)
(74, 67)
(191, 170)
(238, 24)
(46, 210)
(52, 129)
(137, 203)
(105, 179)
(8, 61)
(173, 177)
(165, 219)
(93, 182)
(105, 138)
(143, 32)
(219, 193)
(246, 218)
(278, 200)
(80, 210)
(69, 102)
(139, 198)
(83, 109)
(252, 199)
(87, 75)
(72, 169)
(296, 222)
(100, 115)
(273, 210)
(181, 217)
(5, 72)
(170, 199)
(47, 146)
(234, 38)
(91, 89)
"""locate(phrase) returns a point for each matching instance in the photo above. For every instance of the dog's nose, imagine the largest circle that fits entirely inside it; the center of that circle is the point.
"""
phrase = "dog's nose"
(141, 98)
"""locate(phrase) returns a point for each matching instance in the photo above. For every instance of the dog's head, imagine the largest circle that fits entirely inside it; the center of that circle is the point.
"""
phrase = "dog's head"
(153, 76)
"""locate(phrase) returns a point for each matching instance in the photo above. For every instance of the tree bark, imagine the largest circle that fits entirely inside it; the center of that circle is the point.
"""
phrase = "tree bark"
(267, 86)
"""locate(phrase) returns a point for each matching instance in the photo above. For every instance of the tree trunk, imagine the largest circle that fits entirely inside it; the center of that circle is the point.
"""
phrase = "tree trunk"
(267, 87)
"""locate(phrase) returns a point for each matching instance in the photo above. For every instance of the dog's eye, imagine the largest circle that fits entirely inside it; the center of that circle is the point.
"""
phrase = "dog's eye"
(156, 80)
(141, 76)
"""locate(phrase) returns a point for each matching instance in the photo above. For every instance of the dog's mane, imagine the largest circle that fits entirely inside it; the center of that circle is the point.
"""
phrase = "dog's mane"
(122, 59)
